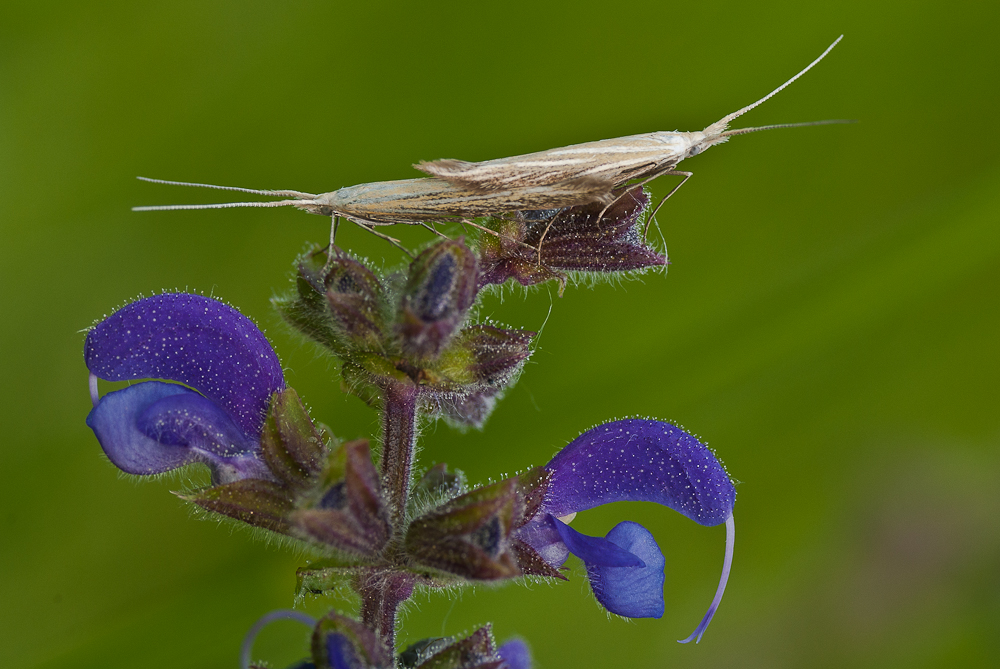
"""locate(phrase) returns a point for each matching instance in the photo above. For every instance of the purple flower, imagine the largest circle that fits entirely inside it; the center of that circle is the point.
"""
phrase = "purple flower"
(515, 654)
(228, 370)
(630, 460)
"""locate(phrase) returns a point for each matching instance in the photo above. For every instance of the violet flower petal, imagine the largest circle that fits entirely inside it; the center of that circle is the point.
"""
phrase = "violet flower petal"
(515, 654)
(541, 534)
(153, 427)
(194, 340)
(595, 550)
(640, 460)
(340, 652)
(633, 592)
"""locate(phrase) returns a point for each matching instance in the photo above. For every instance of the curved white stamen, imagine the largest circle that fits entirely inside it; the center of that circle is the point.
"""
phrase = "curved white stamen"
(95, 397)
(726, 565)
(280, 614)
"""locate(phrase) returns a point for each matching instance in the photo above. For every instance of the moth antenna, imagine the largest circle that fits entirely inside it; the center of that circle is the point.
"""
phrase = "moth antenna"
(743, 131)
(726, 566)
(723, 123)
(224, 205)
(272, 193)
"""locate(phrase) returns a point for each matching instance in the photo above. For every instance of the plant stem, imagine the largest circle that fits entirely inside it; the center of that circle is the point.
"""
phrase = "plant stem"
(399, 433)
(381, 594)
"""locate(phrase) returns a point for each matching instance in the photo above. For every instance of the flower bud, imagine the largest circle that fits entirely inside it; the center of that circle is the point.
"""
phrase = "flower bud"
(438, 481)
(572, 239)
(468, 536)
(440, 288)
(339, 642)
(339, 303)
(476, 651)
(350, 515)
(356, 299)
(292, 447)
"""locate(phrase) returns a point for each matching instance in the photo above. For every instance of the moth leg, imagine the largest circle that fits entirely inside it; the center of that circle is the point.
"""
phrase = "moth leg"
(686, 175)
(497, 234)
(395, 242)
(541, 240)
(433, 229)
(334, 226)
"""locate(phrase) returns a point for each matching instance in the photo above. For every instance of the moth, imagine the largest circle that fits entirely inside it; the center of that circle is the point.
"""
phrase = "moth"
(607, 163)
(547, 180)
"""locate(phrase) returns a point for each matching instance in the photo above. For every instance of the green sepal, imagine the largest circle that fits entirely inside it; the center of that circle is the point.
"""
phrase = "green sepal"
(347, 514)
(254, 501)
(532, 486)
(293, 448)
(438, 482)
(469, 535)
(306, 310)
(325, 575)
(476, 651)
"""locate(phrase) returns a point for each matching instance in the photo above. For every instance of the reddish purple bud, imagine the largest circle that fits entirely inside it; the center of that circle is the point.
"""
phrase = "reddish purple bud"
(339, 642)
(476, 651)
(571, 239)
(356, 299)
(497, 354)
(340, 303)
(440, 288)
(469, 535)
(350, 515)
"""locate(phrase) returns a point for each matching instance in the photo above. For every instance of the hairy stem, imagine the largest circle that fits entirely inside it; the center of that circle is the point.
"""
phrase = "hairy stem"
(399, 433)
(381, 594)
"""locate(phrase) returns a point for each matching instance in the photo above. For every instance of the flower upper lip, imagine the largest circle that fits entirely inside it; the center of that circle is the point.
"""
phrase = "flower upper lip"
(630, 460)
(207, 346)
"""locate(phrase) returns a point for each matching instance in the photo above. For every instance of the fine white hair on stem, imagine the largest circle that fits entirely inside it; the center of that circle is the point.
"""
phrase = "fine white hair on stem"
(266, 619)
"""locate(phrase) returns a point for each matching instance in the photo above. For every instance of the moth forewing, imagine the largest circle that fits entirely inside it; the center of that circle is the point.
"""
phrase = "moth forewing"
(615, 161)
(610, 161)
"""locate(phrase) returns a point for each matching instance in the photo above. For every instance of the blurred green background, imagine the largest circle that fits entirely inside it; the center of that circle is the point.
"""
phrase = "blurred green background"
(829, 323)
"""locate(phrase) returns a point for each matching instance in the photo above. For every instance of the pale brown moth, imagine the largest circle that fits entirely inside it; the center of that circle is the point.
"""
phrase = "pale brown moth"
(611, 162)
(459, 191)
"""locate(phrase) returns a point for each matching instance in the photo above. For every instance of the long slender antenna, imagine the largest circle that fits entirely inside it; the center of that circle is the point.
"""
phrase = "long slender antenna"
(723, 123)
(224, 205)
(743, 131)
(272, 193)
